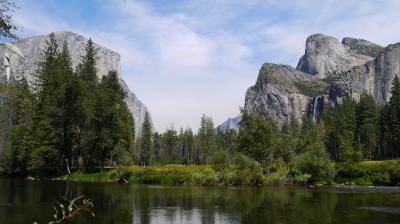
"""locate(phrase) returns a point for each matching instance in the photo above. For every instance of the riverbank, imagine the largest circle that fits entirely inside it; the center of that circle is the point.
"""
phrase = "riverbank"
(366, 173)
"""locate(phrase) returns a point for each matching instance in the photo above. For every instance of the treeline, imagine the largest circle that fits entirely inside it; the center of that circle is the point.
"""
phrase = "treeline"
(364, 131)
(68, 119)
(351, 132)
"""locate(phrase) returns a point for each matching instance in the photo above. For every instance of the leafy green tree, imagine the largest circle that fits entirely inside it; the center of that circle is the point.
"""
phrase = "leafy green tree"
(315, 162)
(146, 144)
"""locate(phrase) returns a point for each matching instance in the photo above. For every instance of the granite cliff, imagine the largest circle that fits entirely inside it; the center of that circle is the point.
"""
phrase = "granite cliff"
(328, 71)
(107, 60)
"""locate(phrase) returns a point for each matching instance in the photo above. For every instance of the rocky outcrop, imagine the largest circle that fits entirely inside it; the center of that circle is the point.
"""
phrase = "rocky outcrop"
(362, 47)
(325, 56)
(230, 124)
(282, 93)
(328, 71)
(107, 60)
(374, 77)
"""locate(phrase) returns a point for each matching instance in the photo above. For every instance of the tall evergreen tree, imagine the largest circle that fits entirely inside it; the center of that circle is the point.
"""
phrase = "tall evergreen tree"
(146, 144)
(392, 120)
(47, 132)
(206, 138)
(16, 112)
(255, 138)
(367, 125)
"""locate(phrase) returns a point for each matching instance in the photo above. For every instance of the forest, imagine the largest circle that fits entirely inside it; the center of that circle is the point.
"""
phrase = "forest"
(69, 120)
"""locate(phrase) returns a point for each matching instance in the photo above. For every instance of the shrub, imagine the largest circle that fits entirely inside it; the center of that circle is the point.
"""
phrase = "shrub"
(279, 177)
(369, 172)
(219, 160)
(315, 162)
(246, 171)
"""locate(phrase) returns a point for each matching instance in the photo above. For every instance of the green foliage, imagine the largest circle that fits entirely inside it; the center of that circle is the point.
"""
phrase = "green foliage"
(369, 172)
(315, 162)
(146, 141)
(311, 89)
(220, 160)
(206, 138)
(255, 138)
(370, 50)
(68, 117)
(244, 171)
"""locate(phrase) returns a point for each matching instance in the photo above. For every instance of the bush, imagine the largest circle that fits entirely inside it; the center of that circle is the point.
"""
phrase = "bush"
(369, 172)
(279, 177)
(245, 171)
(220, 160)
(315, 162)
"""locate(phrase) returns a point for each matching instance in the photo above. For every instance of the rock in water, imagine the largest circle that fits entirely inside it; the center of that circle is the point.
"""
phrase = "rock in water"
(107, 60)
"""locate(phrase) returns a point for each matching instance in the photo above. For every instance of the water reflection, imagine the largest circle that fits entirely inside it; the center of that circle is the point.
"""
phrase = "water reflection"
(26, 201)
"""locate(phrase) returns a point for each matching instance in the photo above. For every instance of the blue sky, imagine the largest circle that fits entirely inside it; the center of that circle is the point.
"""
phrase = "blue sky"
(185, 58)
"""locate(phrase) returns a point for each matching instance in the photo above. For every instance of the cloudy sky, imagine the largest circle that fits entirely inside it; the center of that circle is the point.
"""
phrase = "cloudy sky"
(184, 58)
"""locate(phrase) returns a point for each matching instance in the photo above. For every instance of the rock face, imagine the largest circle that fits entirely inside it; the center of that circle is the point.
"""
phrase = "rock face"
(230, 124)
(328, 71)
(278, 93)
(325, 55)
(374, 77)
(107, 60)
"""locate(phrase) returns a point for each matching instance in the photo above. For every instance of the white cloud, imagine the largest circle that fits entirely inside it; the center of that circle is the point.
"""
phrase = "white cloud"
(193, 57)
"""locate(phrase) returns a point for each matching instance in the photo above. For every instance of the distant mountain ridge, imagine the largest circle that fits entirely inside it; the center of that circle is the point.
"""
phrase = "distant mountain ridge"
(231, 123)
(107, 60)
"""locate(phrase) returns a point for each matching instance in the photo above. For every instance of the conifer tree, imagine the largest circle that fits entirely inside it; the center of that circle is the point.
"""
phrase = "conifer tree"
(146, 146)
(255, 138)
(16, 112)
(392, 118)
(206, 138)
(367, 125)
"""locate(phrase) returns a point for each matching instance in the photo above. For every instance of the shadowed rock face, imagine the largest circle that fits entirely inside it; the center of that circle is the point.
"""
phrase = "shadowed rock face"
(328, 71)
(107, 60)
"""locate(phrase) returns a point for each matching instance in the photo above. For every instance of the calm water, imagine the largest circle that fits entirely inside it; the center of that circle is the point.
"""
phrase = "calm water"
(27, 201)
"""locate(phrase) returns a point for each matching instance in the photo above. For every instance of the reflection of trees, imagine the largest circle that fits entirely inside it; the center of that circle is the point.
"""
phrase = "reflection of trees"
(117, 203)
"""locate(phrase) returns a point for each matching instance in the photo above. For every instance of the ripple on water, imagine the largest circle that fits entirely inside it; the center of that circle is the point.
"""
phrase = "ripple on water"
(393, 210)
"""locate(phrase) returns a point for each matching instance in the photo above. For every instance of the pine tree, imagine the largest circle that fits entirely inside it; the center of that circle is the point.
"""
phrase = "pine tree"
(348, 148)
(16, 113)
(146, 146)
(255, 138)
(47, 132)
(393, 120)
(368, 125)
(87, 67)
(206, 138)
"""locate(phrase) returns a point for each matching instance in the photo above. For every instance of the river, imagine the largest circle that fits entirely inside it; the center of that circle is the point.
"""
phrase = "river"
(24, 201)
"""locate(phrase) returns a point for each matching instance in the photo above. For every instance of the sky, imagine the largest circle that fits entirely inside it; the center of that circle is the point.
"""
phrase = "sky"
(186, 58)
